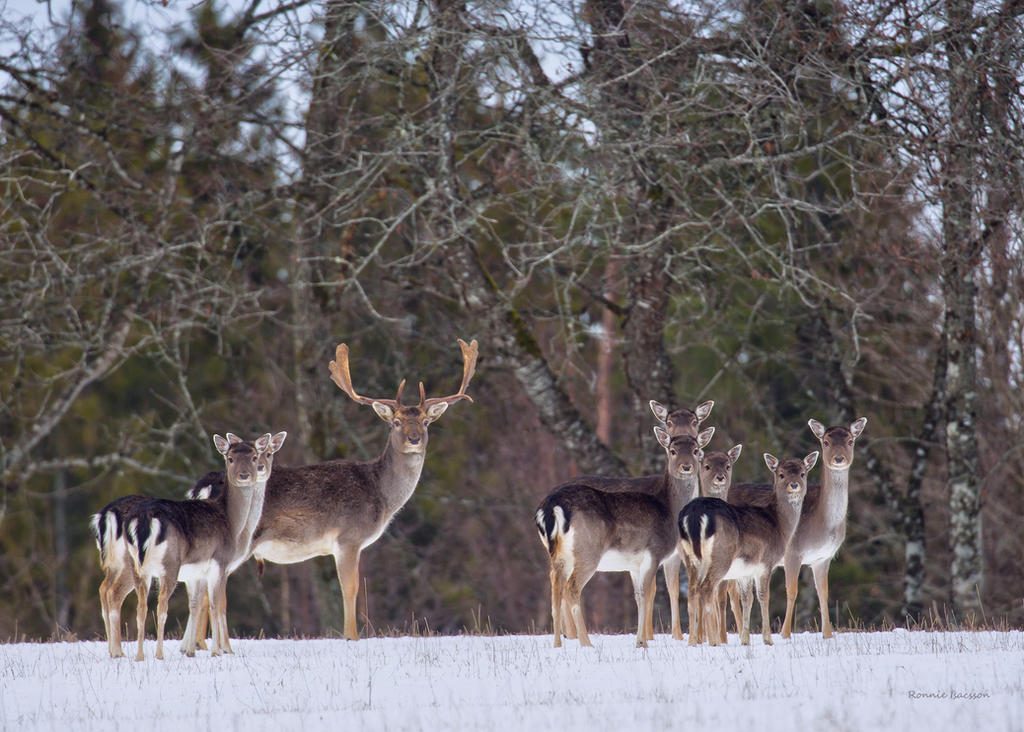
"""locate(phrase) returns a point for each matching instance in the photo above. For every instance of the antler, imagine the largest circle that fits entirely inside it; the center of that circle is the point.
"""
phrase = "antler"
(469, 354)
(341, 376)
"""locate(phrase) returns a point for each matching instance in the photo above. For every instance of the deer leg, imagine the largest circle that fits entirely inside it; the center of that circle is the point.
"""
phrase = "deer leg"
(346, 561)
(202, 622)
(574, 590)
(568, 624)
(557, 591)
(142, 596)
(112, 597)
(671, 570)
(791, 565)
(219, 616)
(745, 588)
(734, 602)
(762, 599)
(195, 601)
(166, 588)
(820, 571)
(648, 614)
(693, 614)
(643, 589)
(721, 598)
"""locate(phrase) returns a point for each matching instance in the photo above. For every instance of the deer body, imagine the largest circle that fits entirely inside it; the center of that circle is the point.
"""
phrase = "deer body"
(588, 530)
(727, 542)
(200, 542)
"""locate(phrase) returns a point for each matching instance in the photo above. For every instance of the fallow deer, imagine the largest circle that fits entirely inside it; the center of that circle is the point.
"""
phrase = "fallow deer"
(822, 526)
(676, 422)
(724, 542)
(340, 507)
(119, 575)
(200, 542)
(588, 530)
(715, 481)
(120, 578)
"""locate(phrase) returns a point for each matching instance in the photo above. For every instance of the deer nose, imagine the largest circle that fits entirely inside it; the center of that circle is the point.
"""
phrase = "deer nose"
(794, 487)
(685, 469)
(243, 476)
(839, 459)
(414, 440)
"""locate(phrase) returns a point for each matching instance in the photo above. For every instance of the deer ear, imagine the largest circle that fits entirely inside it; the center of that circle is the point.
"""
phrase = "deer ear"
(663, 437)
(659, 409)
(816, 427)
(383, 411)
(703, 410)
(263, 442)
(734, 453)
(277, 441)
(233, 439)
(857, 427)
(771, 461)
(705, 437)
(810, 460)
(221, 444)
(436, 410)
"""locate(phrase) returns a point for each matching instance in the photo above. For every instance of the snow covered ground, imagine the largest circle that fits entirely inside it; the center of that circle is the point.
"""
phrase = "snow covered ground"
(857, 681)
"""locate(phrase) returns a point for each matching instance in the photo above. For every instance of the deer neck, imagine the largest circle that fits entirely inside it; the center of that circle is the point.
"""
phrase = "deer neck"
(399, 475)
(679, 491)
(787, 513)
(835, 495)
(243, 509)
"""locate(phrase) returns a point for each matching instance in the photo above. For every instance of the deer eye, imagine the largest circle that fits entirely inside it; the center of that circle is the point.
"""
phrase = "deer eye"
(671, 451)
(850, 443)
(707, 467)
(231, 460)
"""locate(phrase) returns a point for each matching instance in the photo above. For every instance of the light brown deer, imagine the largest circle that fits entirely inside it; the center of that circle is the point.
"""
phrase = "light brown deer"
(724, 542)
(822, 526)
(587, 530)
(340, 507)
(200, 542)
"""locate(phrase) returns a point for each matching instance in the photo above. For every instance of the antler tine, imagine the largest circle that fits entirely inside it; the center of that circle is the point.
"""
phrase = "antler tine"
(469, 356)
(398, 396)
(341, 376)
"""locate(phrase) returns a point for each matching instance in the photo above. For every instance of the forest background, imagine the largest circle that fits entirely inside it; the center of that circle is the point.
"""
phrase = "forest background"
(797, 209)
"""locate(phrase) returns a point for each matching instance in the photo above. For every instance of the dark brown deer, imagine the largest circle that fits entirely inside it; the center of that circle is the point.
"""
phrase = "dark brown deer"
(200, 542)
(676, 422)
(340, 507)
(727, 542)
(715, 482)
(120, 577)
(822, 526)
(588, 530)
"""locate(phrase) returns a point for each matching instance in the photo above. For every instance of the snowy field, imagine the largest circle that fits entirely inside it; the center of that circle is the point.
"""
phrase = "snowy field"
(857, 681)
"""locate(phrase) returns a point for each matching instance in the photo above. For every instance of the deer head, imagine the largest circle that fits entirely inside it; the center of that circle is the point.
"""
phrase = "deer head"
(408, 423)
(681, 421)
(837, 442)
(789, 477)
(716, 470)
(684, 451)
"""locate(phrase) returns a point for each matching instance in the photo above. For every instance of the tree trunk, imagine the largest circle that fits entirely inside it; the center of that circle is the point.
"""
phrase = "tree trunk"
(961, 245)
